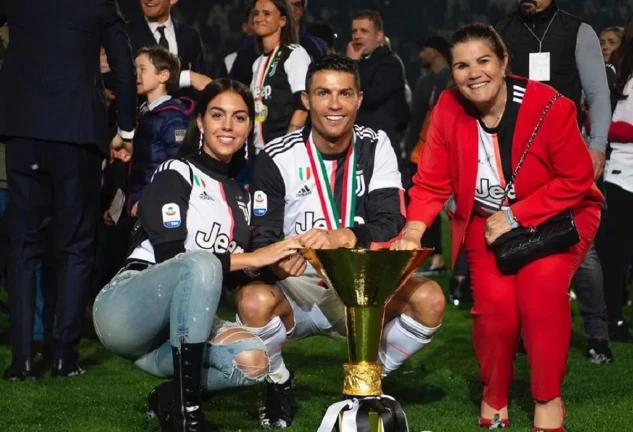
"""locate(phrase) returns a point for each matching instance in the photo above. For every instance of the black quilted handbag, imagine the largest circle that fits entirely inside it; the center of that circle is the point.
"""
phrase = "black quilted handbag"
(523, 245)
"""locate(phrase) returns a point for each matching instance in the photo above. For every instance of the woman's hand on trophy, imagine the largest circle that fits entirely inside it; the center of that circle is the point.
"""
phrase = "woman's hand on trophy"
(293, 266)
(276, 252)
(410, 237)
(323, 239)
(405, 244)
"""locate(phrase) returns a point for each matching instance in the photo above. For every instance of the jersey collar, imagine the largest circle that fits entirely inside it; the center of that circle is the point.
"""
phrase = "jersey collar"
(306, 133)
(210, 165)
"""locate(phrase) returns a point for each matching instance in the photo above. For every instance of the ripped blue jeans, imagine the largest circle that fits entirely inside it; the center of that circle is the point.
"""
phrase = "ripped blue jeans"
(141, 315)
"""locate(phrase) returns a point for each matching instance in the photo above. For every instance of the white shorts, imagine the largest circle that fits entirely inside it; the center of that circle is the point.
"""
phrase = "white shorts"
(317, 309)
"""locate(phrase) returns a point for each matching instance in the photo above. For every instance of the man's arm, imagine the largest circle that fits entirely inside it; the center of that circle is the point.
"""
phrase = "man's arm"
(268, 203)
(117, 47)
(593, 78)
(197, 65)
(385, 206)
(163, 212)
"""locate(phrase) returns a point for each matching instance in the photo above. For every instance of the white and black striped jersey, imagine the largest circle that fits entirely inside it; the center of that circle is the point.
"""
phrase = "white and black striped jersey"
(277, 85)
(191, 204)
(285, 198)
(495, 154)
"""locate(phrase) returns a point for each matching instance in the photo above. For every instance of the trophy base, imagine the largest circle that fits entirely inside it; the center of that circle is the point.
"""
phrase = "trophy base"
(370, 414)
(362, 379)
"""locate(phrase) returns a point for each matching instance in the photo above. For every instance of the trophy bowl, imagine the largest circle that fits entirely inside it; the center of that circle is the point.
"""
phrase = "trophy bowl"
(365, 281)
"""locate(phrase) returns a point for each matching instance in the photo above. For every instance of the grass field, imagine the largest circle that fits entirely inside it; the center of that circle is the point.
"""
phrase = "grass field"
(438, 388)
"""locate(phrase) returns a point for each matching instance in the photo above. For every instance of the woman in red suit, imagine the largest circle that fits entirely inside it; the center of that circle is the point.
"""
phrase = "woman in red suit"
(478, 133)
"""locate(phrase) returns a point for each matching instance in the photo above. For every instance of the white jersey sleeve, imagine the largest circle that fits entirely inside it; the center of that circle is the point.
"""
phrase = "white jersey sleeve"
(386, 173)
(296, 68)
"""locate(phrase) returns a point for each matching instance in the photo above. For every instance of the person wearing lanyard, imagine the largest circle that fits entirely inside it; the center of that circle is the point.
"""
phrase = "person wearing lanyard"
(334, 184)
(159, 311)
(279, 72)
(552, 46)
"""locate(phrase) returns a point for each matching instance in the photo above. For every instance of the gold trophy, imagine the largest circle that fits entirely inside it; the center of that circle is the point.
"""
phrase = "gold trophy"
(364, 281)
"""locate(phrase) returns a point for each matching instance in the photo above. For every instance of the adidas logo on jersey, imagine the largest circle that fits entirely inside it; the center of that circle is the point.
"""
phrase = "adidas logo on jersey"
(205, 196)
(304, 192)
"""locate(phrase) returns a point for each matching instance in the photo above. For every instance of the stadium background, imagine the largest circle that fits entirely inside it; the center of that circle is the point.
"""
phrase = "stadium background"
(406, 21)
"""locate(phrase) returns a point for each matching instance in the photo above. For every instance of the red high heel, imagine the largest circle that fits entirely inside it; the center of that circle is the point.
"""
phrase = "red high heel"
(558, 429)
(496, 423)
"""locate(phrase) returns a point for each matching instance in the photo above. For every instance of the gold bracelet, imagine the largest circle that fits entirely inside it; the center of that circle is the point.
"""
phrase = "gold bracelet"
(406, 230)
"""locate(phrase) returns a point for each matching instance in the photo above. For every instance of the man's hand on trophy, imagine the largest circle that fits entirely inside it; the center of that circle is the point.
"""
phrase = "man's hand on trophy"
(293, 266)
(334, 239)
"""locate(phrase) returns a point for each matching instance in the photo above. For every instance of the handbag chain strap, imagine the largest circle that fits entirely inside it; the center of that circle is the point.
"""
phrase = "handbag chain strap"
(527, 148)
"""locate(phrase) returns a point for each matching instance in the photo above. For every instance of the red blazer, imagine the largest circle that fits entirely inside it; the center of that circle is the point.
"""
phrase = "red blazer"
(557, 173)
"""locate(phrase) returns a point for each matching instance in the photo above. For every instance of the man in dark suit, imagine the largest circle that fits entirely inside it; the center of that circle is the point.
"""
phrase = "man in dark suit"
(54, 119)
(382, 78)
(160, 28)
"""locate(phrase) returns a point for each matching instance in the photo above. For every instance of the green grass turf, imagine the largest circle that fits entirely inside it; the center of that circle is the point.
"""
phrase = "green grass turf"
(438, 388)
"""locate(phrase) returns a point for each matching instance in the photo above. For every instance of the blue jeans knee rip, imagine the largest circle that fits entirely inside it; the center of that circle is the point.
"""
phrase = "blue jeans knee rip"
(225, 355)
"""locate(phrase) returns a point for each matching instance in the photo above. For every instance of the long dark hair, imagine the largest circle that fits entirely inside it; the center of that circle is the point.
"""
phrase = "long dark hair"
(624, 60)
(191, 144)
(289, 33)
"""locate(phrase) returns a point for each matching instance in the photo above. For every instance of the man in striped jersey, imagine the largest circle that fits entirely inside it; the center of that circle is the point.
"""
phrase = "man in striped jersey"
(332, 185)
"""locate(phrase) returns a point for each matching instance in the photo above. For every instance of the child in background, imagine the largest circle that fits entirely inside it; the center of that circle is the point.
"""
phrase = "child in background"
(162, 120)
(161, 127)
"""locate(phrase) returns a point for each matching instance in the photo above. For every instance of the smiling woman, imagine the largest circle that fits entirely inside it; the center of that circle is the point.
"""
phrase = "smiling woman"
(190, 242)
(279, 73)
(479, 132)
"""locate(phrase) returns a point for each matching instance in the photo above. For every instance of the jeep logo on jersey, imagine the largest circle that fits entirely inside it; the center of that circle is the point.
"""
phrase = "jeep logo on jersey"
(309, 222)
(360, 183)
(496, 192)
(216, 241)
(263, 92)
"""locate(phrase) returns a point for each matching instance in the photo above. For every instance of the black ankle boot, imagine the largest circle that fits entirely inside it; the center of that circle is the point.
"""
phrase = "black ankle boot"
(161, 402)
(188, 411)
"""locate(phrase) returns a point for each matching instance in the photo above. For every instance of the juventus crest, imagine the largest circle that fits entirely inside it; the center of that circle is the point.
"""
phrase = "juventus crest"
(360, 183)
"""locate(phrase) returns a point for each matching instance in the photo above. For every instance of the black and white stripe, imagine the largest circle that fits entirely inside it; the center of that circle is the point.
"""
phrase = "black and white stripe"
(518, 93)
(284, 143)
(364, 132)
(183, 168)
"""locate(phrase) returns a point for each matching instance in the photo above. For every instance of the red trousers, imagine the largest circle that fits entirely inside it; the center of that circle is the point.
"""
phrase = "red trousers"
(534, 302)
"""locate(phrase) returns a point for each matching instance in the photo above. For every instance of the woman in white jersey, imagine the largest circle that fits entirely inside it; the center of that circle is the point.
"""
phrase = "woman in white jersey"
(159, 310)
(618, 184)
(279, 74)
